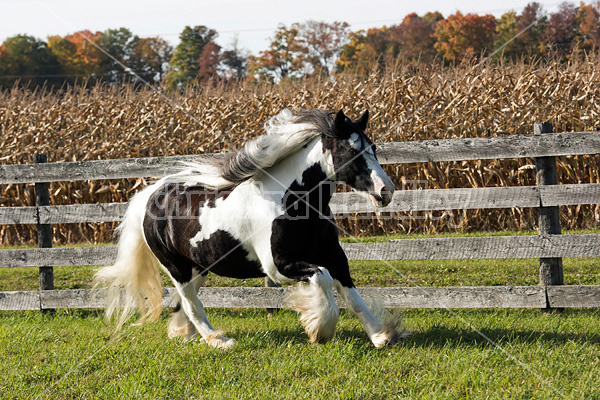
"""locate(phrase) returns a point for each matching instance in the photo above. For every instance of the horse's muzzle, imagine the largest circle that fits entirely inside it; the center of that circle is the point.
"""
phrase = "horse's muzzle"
(383, 188)
(383, 198)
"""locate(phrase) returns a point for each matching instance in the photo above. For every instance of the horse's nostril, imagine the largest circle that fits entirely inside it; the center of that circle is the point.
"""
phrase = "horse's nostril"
(386, 195)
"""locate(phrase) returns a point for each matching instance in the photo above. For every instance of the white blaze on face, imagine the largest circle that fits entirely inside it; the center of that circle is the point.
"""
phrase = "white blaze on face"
(378, 176)
(355, 141)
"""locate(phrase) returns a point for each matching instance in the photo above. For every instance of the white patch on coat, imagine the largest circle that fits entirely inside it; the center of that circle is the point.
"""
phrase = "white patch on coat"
(314, 301)
(247, 214)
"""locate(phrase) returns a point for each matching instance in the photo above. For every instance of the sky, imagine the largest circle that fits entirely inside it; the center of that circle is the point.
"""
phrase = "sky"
(253, 22)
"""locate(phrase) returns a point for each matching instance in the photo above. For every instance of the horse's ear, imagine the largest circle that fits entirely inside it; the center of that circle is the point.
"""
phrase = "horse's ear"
(340, 118)
(362, 121)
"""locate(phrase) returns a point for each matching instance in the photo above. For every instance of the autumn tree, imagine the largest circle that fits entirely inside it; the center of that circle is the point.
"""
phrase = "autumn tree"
(351, 55)
(588, 26)
(150, 59)
(235, 61)
(319, 43)
(29, 61)
(281, 59)
(506, 30)
(379, 46)
(367, 49)
(79, 59)
(3, 63)
(119, 43)
(185, 60)
(413, 38)
(530, 26)
(465, 35)
(208, 63)
(561, 29)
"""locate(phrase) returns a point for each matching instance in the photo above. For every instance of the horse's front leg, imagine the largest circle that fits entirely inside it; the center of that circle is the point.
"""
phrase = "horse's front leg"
(381, 333)
(313, 299)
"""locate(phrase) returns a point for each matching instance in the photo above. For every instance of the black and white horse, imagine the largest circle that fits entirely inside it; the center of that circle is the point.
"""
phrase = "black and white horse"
(261, 211)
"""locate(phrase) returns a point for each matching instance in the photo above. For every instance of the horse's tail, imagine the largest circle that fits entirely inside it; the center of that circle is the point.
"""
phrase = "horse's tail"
(134, 278)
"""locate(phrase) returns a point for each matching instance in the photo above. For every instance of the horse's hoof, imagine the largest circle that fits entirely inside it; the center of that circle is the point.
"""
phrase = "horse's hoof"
(393, 340)
(226, 344)
(385, 339)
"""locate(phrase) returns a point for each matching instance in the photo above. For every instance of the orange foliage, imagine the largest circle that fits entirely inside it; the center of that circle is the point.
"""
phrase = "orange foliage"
(461, 35)
(76, 55)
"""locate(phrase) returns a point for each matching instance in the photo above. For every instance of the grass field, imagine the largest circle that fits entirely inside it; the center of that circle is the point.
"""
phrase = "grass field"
(453, 354)
(70, 354)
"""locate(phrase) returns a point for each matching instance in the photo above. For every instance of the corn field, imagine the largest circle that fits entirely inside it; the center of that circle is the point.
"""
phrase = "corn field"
(406, 102)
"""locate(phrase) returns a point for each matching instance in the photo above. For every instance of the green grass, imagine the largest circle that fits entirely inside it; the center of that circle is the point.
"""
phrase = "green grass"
(70, 354)
(530, 354)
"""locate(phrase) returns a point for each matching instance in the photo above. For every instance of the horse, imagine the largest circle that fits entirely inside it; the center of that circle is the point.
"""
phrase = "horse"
(260, 211)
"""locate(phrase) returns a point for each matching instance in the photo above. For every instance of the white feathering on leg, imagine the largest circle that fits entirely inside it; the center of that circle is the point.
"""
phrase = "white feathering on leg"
(391, 327)
(315, 303)
(381, 333)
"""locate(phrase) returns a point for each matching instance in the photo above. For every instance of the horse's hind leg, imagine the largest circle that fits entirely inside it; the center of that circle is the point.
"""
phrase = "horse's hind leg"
(314, 301)
(180, 325)
(193, 309)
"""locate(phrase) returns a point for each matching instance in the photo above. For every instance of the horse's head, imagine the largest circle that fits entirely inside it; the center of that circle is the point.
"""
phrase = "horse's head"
(355, 159)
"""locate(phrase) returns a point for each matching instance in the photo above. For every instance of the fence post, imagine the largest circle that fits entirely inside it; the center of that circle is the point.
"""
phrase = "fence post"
(551, 269)
(44, 231)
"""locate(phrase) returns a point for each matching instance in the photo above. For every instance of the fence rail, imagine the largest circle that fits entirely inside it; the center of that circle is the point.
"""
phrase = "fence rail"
(514, 146)
(391, 297)
(491, 247)
(349, 203)
(549, 245)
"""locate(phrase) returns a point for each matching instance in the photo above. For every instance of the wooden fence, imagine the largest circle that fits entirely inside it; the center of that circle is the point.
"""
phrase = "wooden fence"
(549, 246)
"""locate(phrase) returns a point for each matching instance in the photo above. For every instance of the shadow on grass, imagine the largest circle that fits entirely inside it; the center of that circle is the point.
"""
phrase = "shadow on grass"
(440, 336)
(288, 331)
(436, 336)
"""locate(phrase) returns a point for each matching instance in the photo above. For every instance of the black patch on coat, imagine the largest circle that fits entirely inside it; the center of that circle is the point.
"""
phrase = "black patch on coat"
(172, 219)
(306, 236)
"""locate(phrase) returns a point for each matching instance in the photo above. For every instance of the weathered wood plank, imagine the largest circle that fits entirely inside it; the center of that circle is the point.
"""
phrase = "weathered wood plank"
(391, 297)
(514, 146)
(74, 213)
(573, 296)
(58, 256)
(64, 214)
(18, 215)
(441, 199)
(499, 247)
(495, 247)
(571, 194)
(350, 202)
(459, 297)
(471, 198)
(97, 169)
(217, 297)
(269, 297)
(22, 300)
(72, 298)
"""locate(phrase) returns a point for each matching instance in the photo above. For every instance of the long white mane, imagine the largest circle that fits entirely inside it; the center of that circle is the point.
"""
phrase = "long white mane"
(286, 133)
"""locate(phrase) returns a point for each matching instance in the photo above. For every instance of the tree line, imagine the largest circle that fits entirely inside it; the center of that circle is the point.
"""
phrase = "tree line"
(298, 50)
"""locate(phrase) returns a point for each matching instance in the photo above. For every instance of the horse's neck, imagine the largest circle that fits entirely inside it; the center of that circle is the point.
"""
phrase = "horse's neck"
(310, 167)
